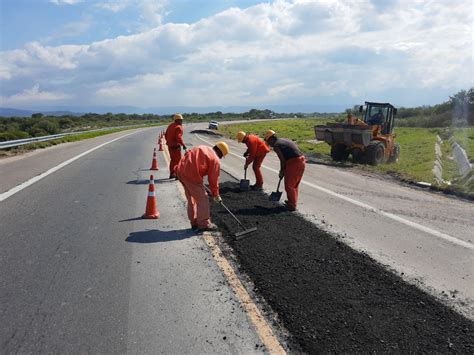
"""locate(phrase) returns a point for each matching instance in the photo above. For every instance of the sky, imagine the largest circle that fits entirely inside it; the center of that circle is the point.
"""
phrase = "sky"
(201, 53)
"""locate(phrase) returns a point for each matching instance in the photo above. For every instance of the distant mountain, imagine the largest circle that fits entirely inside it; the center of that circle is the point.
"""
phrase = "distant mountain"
(77, 111)
(13, 112)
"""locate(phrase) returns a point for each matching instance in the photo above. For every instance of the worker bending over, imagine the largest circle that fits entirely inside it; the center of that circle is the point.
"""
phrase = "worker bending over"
(256, 152)
(292, 164)
(197, 163)
(174, 140)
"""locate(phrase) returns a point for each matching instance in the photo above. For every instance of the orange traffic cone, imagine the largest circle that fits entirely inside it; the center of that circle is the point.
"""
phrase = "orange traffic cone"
(151, 210)
(154, 163)
(160, 149)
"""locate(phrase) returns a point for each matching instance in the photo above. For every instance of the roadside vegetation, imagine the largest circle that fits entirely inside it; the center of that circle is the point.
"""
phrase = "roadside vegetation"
(71, 138)
(416, 131)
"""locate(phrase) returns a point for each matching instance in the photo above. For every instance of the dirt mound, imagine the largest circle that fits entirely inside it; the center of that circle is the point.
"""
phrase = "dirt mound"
(330, 297)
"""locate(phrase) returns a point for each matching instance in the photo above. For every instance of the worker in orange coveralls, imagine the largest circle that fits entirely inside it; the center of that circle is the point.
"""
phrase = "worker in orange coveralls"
(292, 165)
(174, 140)
(256, 152)
(197, 163)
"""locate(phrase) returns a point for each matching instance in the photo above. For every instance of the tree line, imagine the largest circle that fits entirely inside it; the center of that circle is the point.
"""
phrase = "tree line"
(457, 111)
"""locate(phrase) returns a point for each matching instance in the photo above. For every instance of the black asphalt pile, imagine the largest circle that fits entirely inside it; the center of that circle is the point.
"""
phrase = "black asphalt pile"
(208, 132)
(328, 296)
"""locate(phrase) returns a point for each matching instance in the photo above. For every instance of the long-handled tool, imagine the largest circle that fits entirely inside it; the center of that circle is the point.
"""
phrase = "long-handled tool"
(276, 195)
(244, 183)
(245, 232)
(238, 235)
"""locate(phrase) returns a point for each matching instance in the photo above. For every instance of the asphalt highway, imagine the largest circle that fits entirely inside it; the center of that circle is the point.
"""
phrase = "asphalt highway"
(82, 273)
(425, 237)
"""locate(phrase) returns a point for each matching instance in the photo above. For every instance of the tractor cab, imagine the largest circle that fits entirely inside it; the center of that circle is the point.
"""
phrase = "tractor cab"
(379, 114)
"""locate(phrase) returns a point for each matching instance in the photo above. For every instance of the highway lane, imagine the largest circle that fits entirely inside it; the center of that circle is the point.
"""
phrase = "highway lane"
(80, 272)
(425, 237)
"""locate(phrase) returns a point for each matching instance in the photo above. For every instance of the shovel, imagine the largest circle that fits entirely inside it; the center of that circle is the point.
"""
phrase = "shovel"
(244, 183)
(276, 195)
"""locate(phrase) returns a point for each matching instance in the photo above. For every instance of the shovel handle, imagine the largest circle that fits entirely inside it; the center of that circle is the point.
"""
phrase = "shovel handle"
(228, 210)
(278, 186)
(245, 173)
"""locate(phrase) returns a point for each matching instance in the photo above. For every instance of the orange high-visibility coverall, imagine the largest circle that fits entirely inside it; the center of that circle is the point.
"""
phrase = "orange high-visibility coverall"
(174, 140)
(197, 163)
(257, 150)
(292, 162)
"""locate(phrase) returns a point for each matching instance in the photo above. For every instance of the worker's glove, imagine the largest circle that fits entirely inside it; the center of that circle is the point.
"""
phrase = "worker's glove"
(217, 199)
(246, 154)
(281, 174)
(184, 148)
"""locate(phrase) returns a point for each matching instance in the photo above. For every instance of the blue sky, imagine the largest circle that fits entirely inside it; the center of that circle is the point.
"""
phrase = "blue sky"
(155, 53)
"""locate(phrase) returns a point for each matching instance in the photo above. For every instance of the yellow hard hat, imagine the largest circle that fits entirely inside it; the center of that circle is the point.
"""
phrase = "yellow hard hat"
(178, 117)
(223, 147)
(270, 133)
(240, 136)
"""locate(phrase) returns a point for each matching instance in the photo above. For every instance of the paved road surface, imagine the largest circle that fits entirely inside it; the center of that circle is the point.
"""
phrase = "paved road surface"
(426, 236)
(80, 273)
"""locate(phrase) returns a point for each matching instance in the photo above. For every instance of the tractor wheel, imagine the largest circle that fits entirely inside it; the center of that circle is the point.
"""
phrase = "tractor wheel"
(395, 153)
(339, 152)
(374, 153)
(357, 155)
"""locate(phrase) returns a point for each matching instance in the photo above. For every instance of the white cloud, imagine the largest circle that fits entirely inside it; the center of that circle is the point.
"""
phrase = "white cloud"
(151, 12)
(32, 96)
(68, 2)
(299, 51)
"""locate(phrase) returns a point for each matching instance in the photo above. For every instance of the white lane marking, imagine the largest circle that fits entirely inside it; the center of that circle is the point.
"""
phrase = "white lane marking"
(31, 181)
(392, 216)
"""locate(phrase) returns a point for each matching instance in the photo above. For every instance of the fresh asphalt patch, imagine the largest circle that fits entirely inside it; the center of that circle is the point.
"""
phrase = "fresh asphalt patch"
(330, 297)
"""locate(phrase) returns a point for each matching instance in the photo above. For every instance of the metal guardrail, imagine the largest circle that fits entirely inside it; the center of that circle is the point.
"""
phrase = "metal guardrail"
(19, 142)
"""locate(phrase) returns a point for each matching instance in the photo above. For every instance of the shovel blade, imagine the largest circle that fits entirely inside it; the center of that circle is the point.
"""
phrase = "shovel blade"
(275, 196)
(244, 185)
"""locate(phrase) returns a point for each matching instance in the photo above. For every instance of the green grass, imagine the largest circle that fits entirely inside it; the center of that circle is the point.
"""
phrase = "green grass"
(417, 145)
(417, 155)
(72, 138)
(465, 137)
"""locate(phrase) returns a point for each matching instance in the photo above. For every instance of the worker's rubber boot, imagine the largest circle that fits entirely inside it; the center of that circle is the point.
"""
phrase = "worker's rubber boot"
(256, 187)
(291, 209)
(211, 227)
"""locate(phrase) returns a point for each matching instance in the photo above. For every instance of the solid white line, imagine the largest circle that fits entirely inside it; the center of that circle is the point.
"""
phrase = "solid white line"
(392, 216)
(31, 181)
